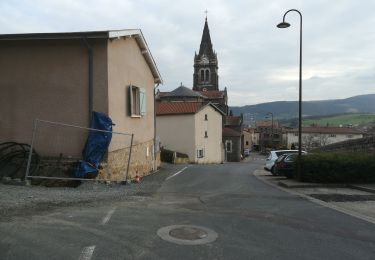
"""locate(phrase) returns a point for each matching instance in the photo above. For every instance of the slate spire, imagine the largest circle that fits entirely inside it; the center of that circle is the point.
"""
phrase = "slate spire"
(206, 45)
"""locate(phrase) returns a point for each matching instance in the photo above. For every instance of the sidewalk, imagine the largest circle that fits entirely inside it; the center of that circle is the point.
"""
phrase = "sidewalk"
(290, 183)
(357, 200)
(26, 200)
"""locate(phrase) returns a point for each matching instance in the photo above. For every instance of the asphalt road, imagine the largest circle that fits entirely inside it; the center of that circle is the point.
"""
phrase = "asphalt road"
(252, 219)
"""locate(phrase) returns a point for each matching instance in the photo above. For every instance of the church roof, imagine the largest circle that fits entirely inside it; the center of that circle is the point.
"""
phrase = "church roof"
(213, 94)
(206, 45)
(183, 91)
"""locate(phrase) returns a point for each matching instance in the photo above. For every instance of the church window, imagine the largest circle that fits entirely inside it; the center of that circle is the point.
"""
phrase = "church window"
(207, 78)
(205, 117)
(202, 76)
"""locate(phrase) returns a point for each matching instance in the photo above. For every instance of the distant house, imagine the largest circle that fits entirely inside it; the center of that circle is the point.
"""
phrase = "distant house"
(63, 77)
(269, 136)
(233, 138)
(193, 128)
(248, 138)
(313, 137)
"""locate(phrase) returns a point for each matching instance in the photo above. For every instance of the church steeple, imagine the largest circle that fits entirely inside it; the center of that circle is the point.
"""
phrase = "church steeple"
(206, 64)
(206, 45)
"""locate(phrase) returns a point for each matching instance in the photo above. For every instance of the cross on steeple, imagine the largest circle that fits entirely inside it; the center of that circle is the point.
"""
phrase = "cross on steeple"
(206, 13)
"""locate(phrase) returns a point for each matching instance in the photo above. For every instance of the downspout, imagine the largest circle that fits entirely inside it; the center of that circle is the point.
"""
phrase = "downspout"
(90, 79)
(154, 150)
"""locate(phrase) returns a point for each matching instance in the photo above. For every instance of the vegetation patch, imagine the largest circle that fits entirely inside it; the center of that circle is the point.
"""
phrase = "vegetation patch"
(338, 168)
(347, 119)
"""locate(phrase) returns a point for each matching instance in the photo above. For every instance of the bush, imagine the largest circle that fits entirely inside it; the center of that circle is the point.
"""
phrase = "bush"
(338, 168)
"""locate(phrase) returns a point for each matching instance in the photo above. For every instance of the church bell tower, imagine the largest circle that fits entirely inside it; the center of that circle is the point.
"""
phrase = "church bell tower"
(205, 65)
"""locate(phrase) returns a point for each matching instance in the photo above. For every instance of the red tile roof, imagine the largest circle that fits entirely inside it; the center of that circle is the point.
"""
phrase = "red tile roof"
(175, 108)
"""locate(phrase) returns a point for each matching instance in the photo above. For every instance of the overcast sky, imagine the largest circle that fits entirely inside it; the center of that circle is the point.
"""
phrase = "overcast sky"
(257, 61)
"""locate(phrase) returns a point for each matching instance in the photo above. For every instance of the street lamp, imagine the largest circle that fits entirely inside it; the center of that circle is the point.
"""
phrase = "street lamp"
(270, 113)
(284, 24)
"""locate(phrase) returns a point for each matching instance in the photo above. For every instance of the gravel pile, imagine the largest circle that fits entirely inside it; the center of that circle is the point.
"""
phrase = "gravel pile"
(24, 200)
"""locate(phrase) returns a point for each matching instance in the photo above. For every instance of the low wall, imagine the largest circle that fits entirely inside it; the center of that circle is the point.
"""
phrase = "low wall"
(366, 145)
(141, 162)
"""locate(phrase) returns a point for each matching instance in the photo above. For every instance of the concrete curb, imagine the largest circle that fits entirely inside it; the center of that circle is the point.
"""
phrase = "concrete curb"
(295, 185)
(310, 185)
(362, 188)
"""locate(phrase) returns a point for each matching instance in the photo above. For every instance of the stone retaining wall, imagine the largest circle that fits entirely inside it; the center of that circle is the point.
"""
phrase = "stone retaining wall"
(141, 162)
(366, 144)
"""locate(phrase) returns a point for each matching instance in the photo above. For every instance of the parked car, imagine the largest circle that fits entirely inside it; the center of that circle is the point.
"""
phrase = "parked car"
(284, 165)
(273, 155)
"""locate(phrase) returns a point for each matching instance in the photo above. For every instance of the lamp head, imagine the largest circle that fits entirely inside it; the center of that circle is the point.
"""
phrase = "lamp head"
(283, 25)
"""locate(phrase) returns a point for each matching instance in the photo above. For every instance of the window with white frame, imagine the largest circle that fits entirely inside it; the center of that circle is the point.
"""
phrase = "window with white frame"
(228, 146)
(137, 101)
(200, 153)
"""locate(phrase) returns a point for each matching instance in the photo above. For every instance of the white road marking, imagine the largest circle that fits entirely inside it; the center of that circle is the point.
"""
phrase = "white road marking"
(176, 173)
(87, 253)
(108, 216)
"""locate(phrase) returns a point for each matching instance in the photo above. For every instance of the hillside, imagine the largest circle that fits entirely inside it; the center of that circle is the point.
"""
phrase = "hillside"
(355, 120)
(289, 109)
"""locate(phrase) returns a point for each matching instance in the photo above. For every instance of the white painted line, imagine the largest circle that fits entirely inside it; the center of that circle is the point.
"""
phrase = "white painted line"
(87, 253)
(320, 202)
(176, 173)
(108, 216)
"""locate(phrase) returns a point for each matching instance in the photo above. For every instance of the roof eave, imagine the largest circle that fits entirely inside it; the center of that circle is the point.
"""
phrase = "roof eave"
(136, 33)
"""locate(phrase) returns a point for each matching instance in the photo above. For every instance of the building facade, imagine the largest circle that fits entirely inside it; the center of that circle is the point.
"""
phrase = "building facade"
(192, 128)
(63, 77)
(314, 137)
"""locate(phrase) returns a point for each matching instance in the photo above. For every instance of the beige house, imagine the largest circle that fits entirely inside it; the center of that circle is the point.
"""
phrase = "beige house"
(63, 77)
(313, 137)
(248, 134)
(193, 128)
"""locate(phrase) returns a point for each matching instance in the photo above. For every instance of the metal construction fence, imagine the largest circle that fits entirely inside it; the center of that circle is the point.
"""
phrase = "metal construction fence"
(57, 151)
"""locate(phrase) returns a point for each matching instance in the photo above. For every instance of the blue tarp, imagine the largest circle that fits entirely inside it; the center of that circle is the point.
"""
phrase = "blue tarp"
(96, 146)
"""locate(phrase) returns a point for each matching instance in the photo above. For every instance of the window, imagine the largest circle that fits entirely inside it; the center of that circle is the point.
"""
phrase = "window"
(205, 117)
(205, 134)
(295, 134)
(137, 101)
(228, 146)
(200, 153)
(204, 75)
(350, 136)
(332, 135)
(247, 142)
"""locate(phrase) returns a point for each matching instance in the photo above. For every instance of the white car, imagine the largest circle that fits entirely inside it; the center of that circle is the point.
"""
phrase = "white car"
(270, 161)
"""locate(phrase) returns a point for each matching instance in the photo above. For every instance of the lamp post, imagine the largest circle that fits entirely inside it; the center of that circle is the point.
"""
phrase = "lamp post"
(270, 113)
(284, 24)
